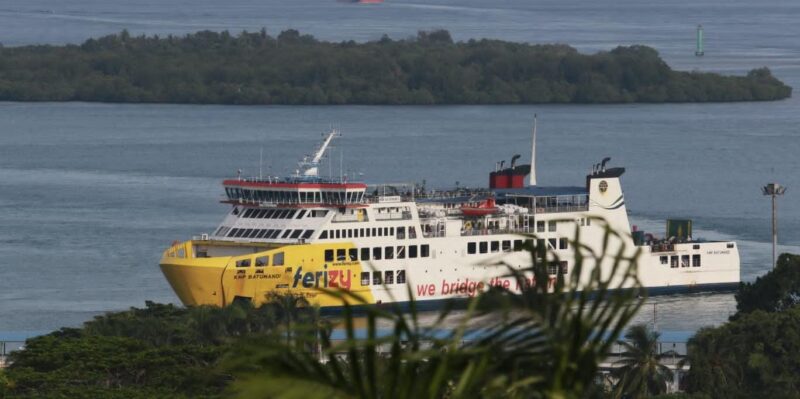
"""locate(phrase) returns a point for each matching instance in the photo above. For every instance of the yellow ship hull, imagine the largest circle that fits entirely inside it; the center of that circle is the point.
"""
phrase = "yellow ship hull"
(253, 272)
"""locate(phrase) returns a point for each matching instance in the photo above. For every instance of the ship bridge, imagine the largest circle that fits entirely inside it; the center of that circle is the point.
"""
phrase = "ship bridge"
(300, 192)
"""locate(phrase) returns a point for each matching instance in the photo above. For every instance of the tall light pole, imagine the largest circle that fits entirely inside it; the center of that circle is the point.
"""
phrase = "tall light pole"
(774, 190)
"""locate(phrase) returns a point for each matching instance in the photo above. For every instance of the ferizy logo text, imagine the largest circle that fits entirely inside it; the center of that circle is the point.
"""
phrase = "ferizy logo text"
(323, 278)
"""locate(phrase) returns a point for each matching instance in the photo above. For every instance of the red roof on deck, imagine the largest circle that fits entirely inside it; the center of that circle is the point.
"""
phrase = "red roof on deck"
(252, 184)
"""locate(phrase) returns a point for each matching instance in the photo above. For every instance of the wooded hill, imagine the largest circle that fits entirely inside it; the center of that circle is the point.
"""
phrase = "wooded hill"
(255, 68)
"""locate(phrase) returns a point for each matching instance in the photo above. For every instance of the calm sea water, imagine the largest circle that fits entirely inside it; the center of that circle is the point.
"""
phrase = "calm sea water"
(90, 194)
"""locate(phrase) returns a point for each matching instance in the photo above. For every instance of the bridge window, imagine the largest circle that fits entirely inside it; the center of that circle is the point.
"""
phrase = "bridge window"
(471, 248)
(376, 278)
(248, 213)
(731, 245)
(696, 260)
(495, 246)
(553, 243)
(275, 234)
(540, 226)
(388, 252)
(349, 233)
(337, 233)
(308, 234)
(376, 253)
(364, 278)
(277, 259)
(262, 261)
(388, 277)
(341, 255)
(563, 243)
(401, 252)
(401, 277)
(353, 254)
(373, 232)
(286, 233)
(364, 253)
(518, 245)
(684, 260)
(361, 232)
(664, 260)
(551, 226)
(323, 235)
(412, 251)
(243, 263)
(328, 255)
(425, 250)
(483, 247)
(232, 232)
(412, 232)
(301, 214)
(673, 261)
(401, 233)
(506, 245)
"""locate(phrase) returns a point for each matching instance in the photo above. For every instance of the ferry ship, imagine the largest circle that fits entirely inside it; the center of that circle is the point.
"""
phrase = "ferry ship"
(304, 232)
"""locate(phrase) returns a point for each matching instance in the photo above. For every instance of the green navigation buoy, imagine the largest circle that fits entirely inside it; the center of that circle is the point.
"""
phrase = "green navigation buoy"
(699, 51)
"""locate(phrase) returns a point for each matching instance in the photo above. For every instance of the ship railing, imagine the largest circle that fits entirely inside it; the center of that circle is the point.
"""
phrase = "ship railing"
(484, 232)
(339, 218)
(562, 208)
(394, 216)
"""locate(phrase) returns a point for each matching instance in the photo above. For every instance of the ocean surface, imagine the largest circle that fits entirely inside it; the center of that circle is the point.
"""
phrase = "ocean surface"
(90, 194)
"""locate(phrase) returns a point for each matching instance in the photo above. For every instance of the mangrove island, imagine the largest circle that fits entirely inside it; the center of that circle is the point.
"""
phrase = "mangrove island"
(292, 68)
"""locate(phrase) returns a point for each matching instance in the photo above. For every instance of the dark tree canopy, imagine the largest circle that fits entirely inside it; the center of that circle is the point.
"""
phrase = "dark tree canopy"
(752, 356)
(776, 291)
(293, 68)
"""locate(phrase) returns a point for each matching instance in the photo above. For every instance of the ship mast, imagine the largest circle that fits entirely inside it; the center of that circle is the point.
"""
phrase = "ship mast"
(310, 168)
(533, 154)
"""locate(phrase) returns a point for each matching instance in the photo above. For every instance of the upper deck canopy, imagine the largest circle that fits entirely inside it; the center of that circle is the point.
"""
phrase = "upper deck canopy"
(300, 191)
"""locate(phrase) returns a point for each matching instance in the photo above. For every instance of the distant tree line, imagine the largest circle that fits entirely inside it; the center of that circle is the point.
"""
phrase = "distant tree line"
(291, 68)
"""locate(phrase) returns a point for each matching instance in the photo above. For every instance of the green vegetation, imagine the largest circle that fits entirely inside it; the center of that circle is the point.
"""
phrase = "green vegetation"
(159, 351)
(255, 68)
(756, 353)
(776, 291)
(640, 372)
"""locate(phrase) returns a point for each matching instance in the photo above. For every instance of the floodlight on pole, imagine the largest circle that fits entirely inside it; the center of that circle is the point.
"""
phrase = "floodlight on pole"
(773, 190)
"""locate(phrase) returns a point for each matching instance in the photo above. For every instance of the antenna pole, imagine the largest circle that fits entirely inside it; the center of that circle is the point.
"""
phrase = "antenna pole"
(260, 162)
(532, 181)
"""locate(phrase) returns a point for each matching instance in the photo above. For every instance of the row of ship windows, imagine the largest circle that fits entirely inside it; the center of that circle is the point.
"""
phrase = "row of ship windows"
(378, 253)
(506, 245)
(388, 277)
(399, 232)
(264, 233)
(684, 261)
(314, 197)
(262, 261)
(550, 226)
(278, 213)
